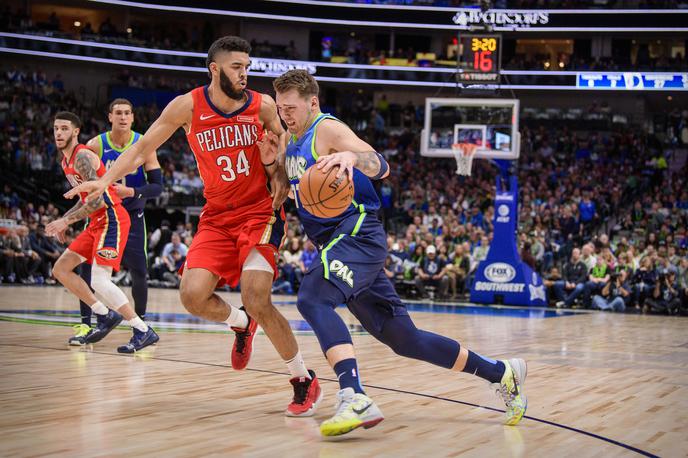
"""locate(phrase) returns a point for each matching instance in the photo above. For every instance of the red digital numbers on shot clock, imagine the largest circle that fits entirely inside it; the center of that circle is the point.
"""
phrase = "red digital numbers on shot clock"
(479, 58)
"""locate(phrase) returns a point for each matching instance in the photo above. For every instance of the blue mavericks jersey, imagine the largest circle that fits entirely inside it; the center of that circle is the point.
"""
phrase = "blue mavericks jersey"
(301, 154)
(109, 155)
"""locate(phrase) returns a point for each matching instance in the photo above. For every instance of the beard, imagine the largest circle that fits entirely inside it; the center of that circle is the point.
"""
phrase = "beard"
(67, 146)
(228, 88)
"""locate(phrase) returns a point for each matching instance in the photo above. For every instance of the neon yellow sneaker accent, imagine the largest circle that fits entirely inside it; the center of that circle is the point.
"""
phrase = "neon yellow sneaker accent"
(353, 411)
(510, 389)
(80, 332)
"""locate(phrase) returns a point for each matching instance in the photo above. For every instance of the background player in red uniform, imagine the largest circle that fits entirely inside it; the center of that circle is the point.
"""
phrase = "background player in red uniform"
(241, 226)
(100, 244)
(144, 183)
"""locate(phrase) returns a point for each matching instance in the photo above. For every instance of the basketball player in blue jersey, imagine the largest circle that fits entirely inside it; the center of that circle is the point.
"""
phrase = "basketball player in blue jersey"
(134, 189)
(349, 269)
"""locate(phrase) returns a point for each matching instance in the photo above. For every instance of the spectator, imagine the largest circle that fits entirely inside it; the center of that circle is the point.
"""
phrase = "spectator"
(683, 282)
(307, 256)
(572, 284)
(588, 256)
(47, 249)
(644, 281)
(167, 262)
(665, 296)
(7, 270)
(432, 273)
(172, 276)
(291, 263)
(597, 279)
(614, 294)
(457, 270)
(527, 255)
(160, 238)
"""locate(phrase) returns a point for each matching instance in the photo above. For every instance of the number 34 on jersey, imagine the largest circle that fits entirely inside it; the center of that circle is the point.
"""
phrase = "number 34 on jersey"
(230, 171)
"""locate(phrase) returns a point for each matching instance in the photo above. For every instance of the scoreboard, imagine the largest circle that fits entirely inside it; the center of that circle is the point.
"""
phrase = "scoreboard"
(479, 59)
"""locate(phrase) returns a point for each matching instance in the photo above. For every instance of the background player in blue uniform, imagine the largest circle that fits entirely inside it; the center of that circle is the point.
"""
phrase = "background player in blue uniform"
(134, 189)
(349, 269)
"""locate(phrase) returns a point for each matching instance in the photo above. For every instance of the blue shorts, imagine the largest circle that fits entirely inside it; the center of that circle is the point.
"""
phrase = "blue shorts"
(355, 265)
(136, 252)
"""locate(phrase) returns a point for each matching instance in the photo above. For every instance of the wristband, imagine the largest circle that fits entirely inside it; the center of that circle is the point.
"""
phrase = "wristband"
(271, 163)
(384, 167)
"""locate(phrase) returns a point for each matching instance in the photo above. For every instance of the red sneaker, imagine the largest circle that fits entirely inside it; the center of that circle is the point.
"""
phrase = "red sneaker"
(307, 396)
(243, 344)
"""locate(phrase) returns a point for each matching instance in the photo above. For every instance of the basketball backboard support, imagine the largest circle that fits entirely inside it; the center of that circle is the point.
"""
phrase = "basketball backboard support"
(491, 123)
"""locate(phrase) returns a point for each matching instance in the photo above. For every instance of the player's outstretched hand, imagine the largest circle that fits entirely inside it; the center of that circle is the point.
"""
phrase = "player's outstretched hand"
(268, 147)
(123, 191)
(94, 189)
(56, 229)
(345, 160)
(279, 187)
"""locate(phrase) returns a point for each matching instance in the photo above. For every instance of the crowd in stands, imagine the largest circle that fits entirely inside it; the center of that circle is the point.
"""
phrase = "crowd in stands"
(603, 214)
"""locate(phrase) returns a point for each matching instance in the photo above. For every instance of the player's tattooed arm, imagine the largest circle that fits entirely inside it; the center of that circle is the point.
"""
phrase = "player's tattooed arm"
(368, 163)
(339, 146)
(73, 210)
(84, 165)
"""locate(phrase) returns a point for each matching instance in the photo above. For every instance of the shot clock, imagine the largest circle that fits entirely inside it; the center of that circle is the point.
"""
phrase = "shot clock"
(479, 58)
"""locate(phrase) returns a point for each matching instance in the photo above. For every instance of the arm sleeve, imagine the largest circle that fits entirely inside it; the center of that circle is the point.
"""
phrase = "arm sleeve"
(153, 188)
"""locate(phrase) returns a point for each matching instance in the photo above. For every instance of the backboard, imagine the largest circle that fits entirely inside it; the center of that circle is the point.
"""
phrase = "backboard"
(490, 123)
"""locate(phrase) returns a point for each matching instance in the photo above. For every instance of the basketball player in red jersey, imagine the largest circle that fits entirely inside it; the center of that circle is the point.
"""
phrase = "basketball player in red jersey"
(241, 226)
(100, 244)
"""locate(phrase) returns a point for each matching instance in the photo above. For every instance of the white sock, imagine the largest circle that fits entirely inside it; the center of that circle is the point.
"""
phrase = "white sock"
(138, 323)
(99, 308)
(237, 318)
(296, 366)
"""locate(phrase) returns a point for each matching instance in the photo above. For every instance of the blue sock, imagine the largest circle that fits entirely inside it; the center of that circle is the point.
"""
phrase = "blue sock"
(486, 368)
(347, 374)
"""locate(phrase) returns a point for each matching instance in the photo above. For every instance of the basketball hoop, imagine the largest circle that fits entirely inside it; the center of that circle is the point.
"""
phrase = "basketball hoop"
(464, 153)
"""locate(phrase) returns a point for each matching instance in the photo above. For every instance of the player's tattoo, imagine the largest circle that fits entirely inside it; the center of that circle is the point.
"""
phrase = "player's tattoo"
(368, 163)
(73, 210)
(84, 166)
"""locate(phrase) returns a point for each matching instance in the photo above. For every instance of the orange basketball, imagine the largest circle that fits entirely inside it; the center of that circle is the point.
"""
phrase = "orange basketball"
(323, 195)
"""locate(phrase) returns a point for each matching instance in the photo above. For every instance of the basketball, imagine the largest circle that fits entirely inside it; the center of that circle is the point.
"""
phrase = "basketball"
(323, 195)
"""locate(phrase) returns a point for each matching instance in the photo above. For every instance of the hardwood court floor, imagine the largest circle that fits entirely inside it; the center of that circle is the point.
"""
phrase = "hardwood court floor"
(598, 385)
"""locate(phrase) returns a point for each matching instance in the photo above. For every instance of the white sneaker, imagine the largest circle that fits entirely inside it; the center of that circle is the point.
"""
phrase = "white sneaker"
(353, 410)
(510, 389)
(560, 304)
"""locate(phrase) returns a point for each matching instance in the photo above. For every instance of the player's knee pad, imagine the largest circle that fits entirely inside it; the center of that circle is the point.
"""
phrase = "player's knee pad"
(101, 282)
(316, 303)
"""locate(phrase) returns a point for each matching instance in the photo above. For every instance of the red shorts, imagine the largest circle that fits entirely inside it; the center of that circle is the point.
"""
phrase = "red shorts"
(104, 238)
(225, 239)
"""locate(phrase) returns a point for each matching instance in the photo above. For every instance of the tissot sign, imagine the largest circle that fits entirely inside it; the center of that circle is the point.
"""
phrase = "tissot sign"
(502, 18)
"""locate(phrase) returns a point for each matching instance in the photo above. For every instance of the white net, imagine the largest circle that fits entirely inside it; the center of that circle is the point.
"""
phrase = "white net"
(464, 153)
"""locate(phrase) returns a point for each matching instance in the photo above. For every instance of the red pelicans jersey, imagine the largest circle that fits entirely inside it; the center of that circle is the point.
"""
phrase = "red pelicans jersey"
(109, 196)
(227, 154)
